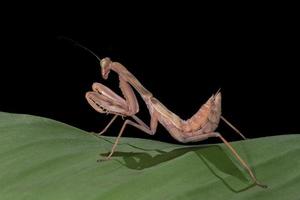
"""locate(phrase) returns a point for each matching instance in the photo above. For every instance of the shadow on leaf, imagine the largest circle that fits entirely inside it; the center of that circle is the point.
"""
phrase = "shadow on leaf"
(216, 160)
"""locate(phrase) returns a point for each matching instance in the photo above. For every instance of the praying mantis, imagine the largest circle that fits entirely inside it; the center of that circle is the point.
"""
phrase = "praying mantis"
(200, 126)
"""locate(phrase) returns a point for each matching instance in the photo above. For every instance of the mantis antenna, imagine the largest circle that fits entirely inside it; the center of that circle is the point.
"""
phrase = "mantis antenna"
(75, 43)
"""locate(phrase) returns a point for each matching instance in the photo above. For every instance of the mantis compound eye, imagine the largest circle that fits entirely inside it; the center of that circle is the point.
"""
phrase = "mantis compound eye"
(105, 67)
(105, 74)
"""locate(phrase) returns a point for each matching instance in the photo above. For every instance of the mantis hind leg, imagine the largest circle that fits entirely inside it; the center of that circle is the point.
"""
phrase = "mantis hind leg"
(244, 164)
(201, 137)
(233, 127)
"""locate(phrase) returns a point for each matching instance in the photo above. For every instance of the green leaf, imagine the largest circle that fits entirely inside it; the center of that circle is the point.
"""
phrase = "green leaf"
(45, 159)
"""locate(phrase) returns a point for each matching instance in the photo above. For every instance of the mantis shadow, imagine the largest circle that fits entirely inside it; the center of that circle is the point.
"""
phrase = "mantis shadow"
(213, 156)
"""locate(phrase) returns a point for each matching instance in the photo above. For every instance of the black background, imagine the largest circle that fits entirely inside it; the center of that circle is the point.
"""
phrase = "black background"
(181, 58)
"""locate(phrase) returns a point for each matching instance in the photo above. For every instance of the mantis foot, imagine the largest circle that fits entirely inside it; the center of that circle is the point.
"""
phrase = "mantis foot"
(106, 158)
(261, 185)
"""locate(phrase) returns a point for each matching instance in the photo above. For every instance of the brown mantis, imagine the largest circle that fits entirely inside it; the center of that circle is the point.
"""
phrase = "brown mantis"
(200, 126)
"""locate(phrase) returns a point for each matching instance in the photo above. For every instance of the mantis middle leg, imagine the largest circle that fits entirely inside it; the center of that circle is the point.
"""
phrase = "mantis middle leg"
(137, 124)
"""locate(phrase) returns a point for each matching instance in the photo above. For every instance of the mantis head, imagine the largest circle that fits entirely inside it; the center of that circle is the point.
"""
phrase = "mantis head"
(105, 64)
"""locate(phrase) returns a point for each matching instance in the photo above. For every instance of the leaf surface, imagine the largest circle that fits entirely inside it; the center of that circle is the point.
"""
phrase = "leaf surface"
(45, 159)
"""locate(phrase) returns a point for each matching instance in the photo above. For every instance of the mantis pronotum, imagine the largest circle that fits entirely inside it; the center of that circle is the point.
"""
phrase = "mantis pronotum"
(200, 126)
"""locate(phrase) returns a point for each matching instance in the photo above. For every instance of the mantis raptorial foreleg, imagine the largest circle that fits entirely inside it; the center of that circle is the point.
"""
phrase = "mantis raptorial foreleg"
(104, 100)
